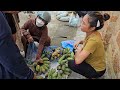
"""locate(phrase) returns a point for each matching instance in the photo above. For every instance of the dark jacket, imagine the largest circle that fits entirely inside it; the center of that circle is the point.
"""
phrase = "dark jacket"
(11, 21)
(12, 64)
(39, 34)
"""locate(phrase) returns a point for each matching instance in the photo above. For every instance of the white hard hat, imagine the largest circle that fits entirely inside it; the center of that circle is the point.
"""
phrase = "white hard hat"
(44, 15)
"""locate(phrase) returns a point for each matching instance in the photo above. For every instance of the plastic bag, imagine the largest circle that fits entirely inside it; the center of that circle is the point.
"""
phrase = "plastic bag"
(74, 20)
(65, 19)
(68, 44)
(61, 14)
(31, 52)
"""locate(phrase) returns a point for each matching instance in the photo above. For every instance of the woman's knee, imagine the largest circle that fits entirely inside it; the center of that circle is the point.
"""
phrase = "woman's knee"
(71, 64)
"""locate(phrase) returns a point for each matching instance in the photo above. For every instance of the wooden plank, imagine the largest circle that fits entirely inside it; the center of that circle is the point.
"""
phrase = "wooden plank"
(18, 34)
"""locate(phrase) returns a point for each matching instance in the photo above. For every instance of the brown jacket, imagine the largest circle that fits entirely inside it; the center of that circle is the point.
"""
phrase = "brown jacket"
(38, 34)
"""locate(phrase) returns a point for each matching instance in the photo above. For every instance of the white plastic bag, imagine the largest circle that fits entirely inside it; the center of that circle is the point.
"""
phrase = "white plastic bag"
(36, 44)
(61, 14)
(65, 19)
(74, 20)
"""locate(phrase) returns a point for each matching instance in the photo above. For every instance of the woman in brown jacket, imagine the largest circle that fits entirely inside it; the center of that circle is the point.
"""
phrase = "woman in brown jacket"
(36, 30)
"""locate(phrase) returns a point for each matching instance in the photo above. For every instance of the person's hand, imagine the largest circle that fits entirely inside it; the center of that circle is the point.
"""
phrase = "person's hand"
(79, 49)
(82, 41)
(30, 39)
(38, 57)
(40, 61)
(77, 44)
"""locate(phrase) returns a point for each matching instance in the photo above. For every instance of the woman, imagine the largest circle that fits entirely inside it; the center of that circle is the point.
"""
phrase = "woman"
(36, 30)
(89, 59)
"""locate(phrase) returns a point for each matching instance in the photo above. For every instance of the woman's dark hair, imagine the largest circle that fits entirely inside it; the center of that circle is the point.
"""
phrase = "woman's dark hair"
(82, 13)
(95, 16)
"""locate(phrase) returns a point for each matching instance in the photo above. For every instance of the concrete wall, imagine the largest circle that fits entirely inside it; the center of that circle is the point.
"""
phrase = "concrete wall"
(111, 37)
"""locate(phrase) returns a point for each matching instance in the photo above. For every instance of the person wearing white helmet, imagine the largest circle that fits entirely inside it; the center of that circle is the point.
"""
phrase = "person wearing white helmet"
(44, 15)
(36, 30)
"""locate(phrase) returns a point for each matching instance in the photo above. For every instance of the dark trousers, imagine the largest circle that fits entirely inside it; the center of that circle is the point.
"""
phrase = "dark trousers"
(85, 69)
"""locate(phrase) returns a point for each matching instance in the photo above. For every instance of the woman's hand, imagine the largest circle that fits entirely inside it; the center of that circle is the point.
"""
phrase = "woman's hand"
(77, 44)
(38, 57)
(30, 39)
(79, 49)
